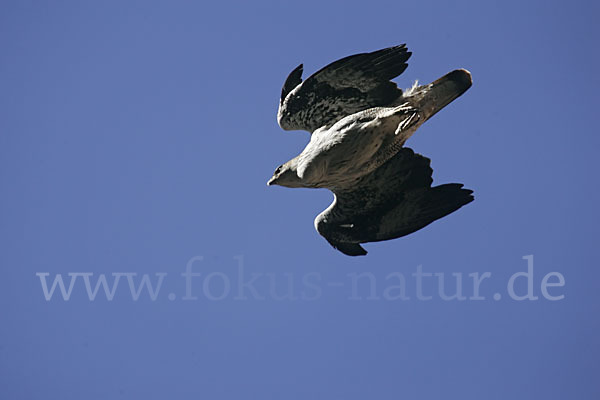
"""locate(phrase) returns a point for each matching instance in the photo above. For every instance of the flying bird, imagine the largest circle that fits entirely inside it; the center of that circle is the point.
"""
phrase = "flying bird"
(359, 122)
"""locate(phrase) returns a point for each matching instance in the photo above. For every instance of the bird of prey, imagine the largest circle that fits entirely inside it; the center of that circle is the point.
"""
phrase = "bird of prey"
(359, 121)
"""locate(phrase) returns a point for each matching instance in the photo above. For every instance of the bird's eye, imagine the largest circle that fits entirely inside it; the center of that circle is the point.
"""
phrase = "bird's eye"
(278, 170)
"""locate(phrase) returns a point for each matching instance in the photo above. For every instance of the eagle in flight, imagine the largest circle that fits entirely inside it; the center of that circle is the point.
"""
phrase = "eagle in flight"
(359, 121)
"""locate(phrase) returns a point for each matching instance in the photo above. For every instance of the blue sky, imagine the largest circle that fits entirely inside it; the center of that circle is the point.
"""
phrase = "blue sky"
(135, 136)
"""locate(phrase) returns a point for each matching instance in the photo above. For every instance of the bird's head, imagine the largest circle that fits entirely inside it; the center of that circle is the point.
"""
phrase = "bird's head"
(286, 175)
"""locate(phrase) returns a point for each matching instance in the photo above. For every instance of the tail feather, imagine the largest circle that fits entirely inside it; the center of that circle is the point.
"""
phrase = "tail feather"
(431, 98)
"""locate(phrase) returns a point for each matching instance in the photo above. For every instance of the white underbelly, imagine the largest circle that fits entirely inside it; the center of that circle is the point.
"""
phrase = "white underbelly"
(350, 149)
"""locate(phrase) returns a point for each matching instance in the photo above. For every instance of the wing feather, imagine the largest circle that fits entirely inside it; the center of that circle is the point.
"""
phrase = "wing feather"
(344, 87)
(393, 201)
(293, 80)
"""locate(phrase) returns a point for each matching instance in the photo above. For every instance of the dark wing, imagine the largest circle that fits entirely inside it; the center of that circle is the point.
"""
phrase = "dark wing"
(393, 201)
(293, 80)
(344, 87)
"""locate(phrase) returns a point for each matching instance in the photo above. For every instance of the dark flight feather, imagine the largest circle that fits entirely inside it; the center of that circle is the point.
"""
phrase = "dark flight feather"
(393, 201)
(293, 80)
(342, 88)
